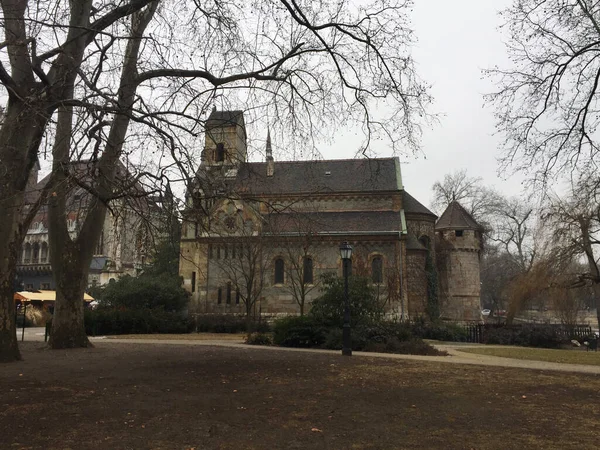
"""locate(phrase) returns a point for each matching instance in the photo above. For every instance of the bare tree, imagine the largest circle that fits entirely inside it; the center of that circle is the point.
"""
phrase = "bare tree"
(40, 77)
(479, 200)
(307, 69)
(576, 230)
(514, 224)
(245, 266)
(547, 103)
(301, 256)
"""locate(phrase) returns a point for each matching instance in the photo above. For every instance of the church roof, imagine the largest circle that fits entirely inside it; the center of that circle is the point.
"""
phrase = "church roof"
(412, 243)
(334, 222)
(334, 175)
(412, 205)
(456, 217)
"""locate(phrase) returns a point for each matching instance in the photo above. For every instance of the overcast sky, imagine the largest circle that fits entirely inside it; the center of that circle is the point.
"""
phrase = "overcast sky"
(456, 40)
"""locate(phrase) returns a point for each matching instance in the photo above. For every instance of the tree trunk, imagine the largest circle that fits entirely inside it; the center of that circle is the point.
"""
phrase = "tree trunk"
(68, 328)
(584, 225)
(9, 244)
(9, 349)
(19, 139)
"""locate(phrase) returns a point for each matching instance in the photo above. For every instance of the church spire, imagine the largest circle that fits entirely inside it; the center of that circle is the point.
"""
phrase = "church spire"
(269, 156)
(269, 151)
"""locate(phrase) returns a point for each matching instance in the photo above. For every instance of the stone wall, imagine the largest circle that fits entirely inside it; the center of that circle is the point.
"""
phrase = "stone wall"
(416, 283)
(279, 298)
(459, 270)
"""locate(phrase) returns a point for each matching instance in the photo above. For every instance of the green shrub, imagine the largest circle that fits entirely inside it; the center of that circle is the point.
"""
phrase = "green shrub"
(143, 292)
(106, 321)
(259, 339)
(298, 331)
(366, 335)
(328, 309)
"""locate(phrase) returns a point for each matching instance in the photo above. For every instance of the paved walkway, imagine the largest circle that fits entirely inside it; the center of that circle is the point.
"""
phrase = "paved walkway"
(456, 356)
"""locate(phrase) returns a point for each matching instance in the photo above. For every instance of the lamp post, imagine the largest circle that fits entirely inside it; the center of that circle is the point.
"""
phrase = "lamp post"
(346, 254)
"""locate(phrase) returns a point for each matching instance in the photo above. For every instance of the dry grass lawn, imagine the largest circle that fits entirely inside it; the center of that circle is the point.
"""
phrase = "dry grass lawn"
(574, 356)
(162, 396)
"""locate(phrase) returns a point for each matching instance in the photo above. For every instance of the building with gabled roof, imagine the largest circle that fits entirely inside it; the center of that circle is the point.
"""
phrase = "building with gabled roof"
(125, 243)
(298, 213)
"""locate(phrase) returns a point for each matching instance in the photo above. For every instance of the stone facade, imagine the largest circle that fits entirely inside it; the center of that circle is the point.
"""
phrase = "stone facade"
(259, 235)
(124, 247)
(458, 245)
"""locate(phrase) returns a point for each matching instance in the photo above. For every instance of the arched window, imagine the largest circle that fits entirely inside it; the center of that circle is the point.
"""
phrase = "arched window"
(220, 152)
(279, 271)
(377, 270)
(100, 247)
(308, 270)
(425, 241)
(44, 257)
(36, 253)
(27, 258)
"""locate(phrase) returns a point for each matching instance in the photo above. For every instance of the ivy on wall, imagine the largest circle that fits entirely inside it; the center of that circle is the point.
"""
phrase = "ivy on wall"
(433, 304)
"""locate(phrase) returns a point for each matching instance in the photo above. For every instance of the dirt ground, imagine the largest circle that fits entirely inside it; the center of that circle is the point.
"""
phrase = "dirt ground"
(161, 396)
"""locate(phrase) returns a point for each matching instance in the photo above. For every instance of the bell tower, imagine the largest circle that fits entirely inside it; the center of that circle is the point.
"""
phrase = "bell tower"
(225, 139)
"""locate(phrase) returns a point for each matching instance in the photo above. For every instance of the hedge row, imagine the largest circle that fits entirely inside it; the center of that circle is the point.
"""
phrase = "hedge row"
(541, 336)
(104, 321)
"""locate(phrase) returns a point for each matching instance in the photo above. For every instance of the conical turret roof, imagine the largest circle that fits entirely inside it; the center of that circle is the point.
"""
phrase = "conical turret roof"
(455, 217)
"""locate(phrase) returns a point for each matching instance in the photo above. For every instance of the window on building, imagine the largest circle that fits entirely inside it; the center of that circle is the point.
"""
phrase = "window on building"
(425, 242)
(44, 257)
(219, 296)
(233, 251)
(210, 251)
(29, 287)
(45, 286)
(377, 270)
(237, 297)
(228, 293)
(458, 233)
(279, 271)
(225, 251)
(100, 247)
(27, 257)
(35, 257)
(218, 252)
(307, 270)
(220, 152)
(193, 281)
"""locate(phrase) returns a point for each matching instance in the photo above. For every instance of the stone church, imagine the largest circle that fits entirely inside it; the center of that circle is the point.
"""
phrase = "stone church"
(258, 236)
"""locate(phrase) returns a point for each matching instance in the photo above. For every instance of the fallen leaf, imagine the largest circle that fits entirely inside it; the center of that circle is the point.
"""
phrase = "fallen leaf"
(316, 430)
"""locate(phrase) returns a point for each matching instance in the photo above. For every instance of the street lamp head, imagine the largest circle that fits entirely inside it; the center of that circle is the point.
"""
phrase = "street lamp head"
(345, 250)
